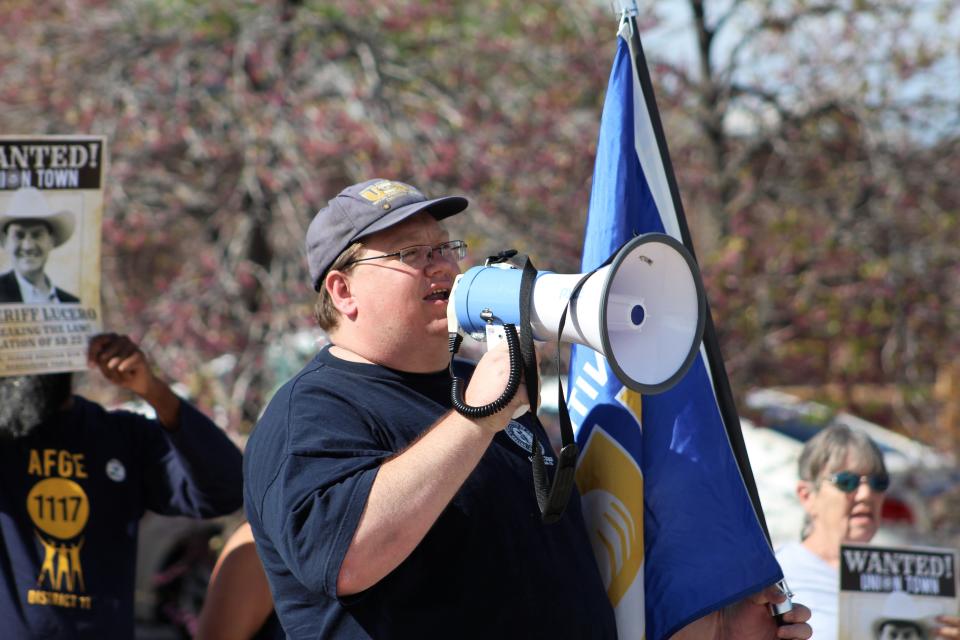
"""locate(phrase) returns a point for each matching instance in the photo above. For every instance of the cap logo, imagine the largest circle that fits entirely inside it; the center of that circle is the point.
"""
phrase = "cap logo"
(385, 190)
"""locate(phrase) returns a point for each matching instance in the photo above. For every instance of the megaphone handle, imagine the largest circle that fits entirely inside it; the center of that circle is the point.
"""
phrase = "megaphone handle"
(513, 382)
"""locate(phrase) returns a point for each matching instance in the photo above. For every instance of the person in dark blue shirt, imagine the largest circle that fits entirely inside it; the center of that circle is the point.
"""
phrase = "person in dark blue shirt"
(380, 513)
(75, 480)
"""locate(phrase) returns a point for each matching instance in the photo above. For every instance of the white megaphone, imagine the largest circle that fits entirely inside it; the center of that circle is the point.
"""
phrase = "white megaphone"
(644, 311)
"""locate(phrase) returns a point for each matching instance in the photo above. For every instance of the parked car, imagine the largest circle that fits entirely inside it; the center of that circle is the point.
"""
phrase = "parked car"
(924, 495)
(175, 556)
(921, 477)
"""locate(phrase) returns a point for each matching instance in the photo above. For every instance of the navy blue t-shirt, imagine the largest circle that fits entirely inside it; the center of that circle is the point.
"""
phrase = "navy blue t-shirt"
(71, 497)
(487, 568)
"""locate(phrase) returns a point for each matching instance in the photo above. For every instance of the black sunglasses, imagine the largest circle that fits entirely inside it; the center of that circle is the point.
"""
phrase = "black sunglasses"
(848, 481)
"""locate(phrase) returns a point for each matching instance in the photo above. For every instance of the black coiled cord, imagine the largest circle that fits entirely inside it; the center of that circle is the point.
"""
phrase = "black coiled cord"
(513, 383)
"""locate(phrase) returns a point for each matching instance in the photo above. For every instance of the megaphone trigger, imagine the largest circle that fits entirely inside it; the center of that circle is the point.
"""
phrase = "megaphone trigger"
(494, 335)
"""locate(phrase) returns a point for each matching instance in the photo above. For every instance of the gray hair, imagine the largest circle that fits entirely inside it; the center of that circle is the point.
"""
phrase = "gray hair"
(829, 449)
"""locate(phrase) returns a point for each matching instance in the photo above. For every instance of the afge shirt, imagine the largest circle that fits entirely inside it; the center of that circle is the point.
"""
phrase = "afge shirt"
(71, 497)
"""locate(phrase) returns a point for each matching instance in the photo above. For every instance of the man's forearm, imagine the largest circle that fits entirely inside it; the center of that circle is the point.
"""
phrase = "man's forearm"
(408, 494)
(165, 402)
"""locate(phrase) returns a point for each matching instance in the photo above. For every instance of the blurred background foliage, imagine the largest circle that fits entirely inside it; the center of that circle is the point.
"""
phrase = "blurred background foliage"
(815, 145)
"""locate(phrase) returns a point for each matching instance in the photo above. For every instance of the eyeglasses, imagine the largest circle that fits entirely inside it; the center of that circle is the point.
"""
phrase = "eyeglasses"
(420, 255)
(848, 481)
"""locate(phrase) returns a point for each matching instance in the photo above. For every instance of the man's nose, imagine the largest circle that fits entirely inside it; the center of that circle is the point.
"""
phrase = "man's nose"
(439, 264)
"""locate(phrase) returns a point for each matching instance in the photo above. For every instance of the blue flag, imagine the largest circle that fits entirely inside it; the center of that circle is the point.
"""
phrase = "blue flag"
(668, 513)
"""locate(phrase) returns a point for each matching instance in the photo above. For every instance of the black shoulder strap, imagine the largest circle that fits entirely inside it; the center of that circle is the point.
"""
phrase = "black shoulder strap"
(552, 503)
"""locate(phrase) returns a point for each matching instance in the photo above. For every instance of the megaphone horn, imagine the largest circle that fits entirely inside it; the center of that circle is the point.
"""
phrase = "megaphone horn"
(644, 311)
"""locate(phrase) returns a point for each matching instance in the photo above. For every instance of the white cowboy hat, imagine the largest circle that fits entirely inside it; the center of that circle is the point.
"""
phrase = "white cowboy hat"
(900, 608)
(28, 203)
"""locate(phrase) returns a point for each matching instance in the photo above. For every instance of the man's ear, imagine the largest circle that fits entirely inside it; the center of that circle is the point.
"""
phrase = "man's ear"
(337, 284)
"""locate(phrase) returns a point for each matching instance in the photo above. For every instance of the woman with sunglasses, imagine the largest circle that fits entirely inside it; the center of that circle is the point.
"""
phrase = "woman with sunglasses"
(843, 481)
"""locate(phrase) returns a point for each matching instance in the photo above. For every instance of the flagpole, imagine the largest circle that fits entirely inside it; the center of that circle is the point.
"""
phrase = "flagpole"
(718, 373)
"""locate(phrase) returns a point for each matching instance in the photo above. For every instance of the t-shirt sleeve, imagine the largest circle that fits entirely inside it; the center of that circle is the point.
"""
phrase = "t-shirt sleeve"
(194, 471)
(312, 507)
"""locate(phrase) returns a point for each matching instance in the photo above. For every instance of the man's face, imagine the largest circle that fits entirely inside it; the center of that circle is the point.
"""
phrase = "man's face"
(28, 243)
(900, 631)
(402, 308)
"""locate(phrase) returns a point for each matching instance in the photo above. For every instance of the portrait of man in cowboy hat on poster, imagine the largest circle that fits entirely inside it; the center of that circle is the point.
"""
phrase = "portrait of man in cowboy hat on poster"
(29, 230)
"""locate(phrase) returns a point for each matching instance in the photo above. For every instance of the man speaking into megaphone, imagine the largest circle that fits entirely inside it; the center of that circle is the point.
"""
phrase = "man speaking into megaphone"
(379, 512)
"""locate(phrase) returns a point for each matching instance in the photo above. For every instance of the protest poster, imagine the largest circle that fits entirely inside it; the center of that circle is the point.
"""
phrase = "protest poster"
(51, 207)
(895, 592)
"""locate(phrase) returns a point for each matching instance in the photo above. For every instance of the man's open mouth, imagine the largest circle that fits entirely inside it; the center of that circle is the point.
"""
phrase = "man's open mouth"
(438, 294)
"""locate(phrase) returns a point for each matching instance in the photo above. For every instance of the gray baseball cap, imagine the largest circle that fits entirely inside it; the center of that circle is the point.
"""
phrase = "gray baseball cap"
(363, 209)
